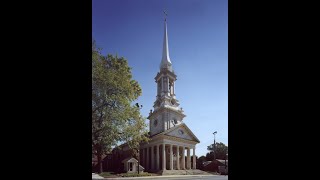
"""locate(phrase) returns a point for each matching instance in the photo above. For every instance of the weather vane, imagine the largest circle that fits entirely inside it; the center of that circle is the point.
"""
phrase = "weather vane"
(165, 13)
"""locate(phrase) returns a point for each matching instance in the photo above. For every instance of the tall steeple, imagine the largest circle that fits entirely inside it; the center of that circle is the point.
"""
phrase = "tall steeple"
(165, 62)
(167, 113)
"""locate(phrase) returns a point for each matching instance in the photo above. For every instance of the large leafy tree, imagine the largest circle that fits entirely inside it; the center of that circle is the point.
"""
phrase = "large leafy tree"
(135, 135)
(114, 116)
(221, 151)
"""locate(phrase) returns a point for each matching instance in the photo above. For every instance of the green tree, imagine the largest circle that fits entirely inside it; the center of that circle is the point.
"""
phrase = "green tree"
(221, 151)
(200, 162)
(113, 113)
(135, 135)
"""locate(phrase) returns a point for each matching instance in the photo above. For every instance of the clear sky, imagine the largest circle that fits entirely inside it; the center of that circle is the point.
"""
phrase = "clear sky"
(198, 46)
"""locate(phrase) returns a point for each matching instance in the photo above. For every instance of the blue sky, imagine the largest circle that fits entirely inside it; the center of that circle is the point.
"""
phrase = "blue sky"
(198, 46)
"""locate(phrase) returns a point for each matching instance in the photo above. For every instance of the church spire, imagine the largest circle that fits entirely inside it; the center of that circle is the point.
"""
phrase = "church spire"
(165, 62)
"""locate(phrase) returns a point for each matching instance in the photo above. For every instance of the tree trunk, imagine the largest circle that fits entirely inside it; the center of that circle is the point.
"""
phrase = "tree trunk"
(138, 166)
(99, 156)
(139, 160)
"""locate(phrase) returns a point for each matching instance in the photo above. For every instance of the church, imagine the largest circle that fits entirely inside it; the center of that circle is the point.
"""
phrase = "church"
(172, 143)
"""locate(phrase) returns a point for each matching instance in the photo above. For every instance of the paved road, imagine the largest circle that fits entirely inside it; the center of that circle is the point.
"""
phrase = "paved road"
(202, 178)
(218, 177)
(192, 177)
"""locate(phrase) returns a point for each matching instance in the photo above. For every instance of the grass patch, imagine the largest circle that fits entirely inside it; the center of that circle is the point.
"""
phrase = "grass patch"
(136, 174)
(107, 174)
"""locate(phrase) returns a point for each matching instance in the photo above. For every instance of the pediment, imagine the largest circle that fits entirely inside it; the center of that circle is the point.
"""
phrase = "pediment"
(183, 132)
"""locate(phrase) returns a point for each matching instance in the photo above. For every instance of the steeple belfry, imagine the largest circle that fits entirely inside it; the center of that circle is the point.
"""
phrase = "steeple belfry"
(165, 62)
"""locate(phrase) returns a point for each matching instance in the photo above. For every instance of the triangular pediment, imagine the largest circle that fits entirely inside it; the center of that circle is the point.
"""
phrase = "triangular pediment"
(183, 132)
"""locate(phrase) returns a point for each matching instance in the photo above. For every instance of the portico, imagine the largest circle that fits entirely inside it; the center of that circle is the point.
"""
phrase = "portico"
(168, 155)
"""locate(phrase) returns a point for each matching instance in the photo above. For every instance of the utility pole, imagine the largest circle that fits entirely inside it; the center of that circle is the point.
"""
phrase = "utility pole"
(214, 145)
(140, 107)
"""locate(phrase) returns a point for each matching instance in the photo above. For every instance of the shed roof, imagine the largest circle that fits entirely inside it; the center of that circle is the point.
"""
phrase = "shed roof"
(129, 159)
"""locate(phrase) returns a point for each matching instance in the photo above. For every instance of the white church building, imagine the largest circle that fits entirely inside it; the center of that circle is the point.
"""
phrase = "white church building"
(172, 143)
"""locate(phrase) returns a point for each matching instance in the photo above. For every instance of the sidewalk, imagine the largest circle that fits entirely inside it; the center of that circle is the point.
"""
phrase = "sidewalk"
(96, 176)
(124, 178)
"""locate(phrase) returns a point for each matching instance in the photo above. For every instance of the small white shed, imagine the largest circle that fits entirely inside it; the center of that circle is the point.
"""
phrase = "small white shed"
(131, 165)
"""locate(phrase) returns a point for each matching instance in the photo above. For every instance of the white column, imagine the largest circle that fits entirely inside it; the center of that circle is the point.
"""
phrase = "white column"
(178, 159)
(157, 158)
(163, 157)
(183, 158)
(174, 89)
(188, 159)
(147, 163)
(194, 158)
(152, 157)
(171, 157)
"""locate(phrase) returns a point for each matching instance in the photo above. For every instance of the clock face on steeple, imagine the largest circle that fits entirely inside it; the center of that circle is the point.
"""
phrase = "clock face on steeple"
(181, 131)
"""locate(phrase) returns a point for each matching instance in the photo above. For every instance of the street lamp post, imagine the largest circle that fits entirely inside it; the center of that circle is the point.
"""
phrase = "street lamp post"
(225, 162)
(214, 145)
